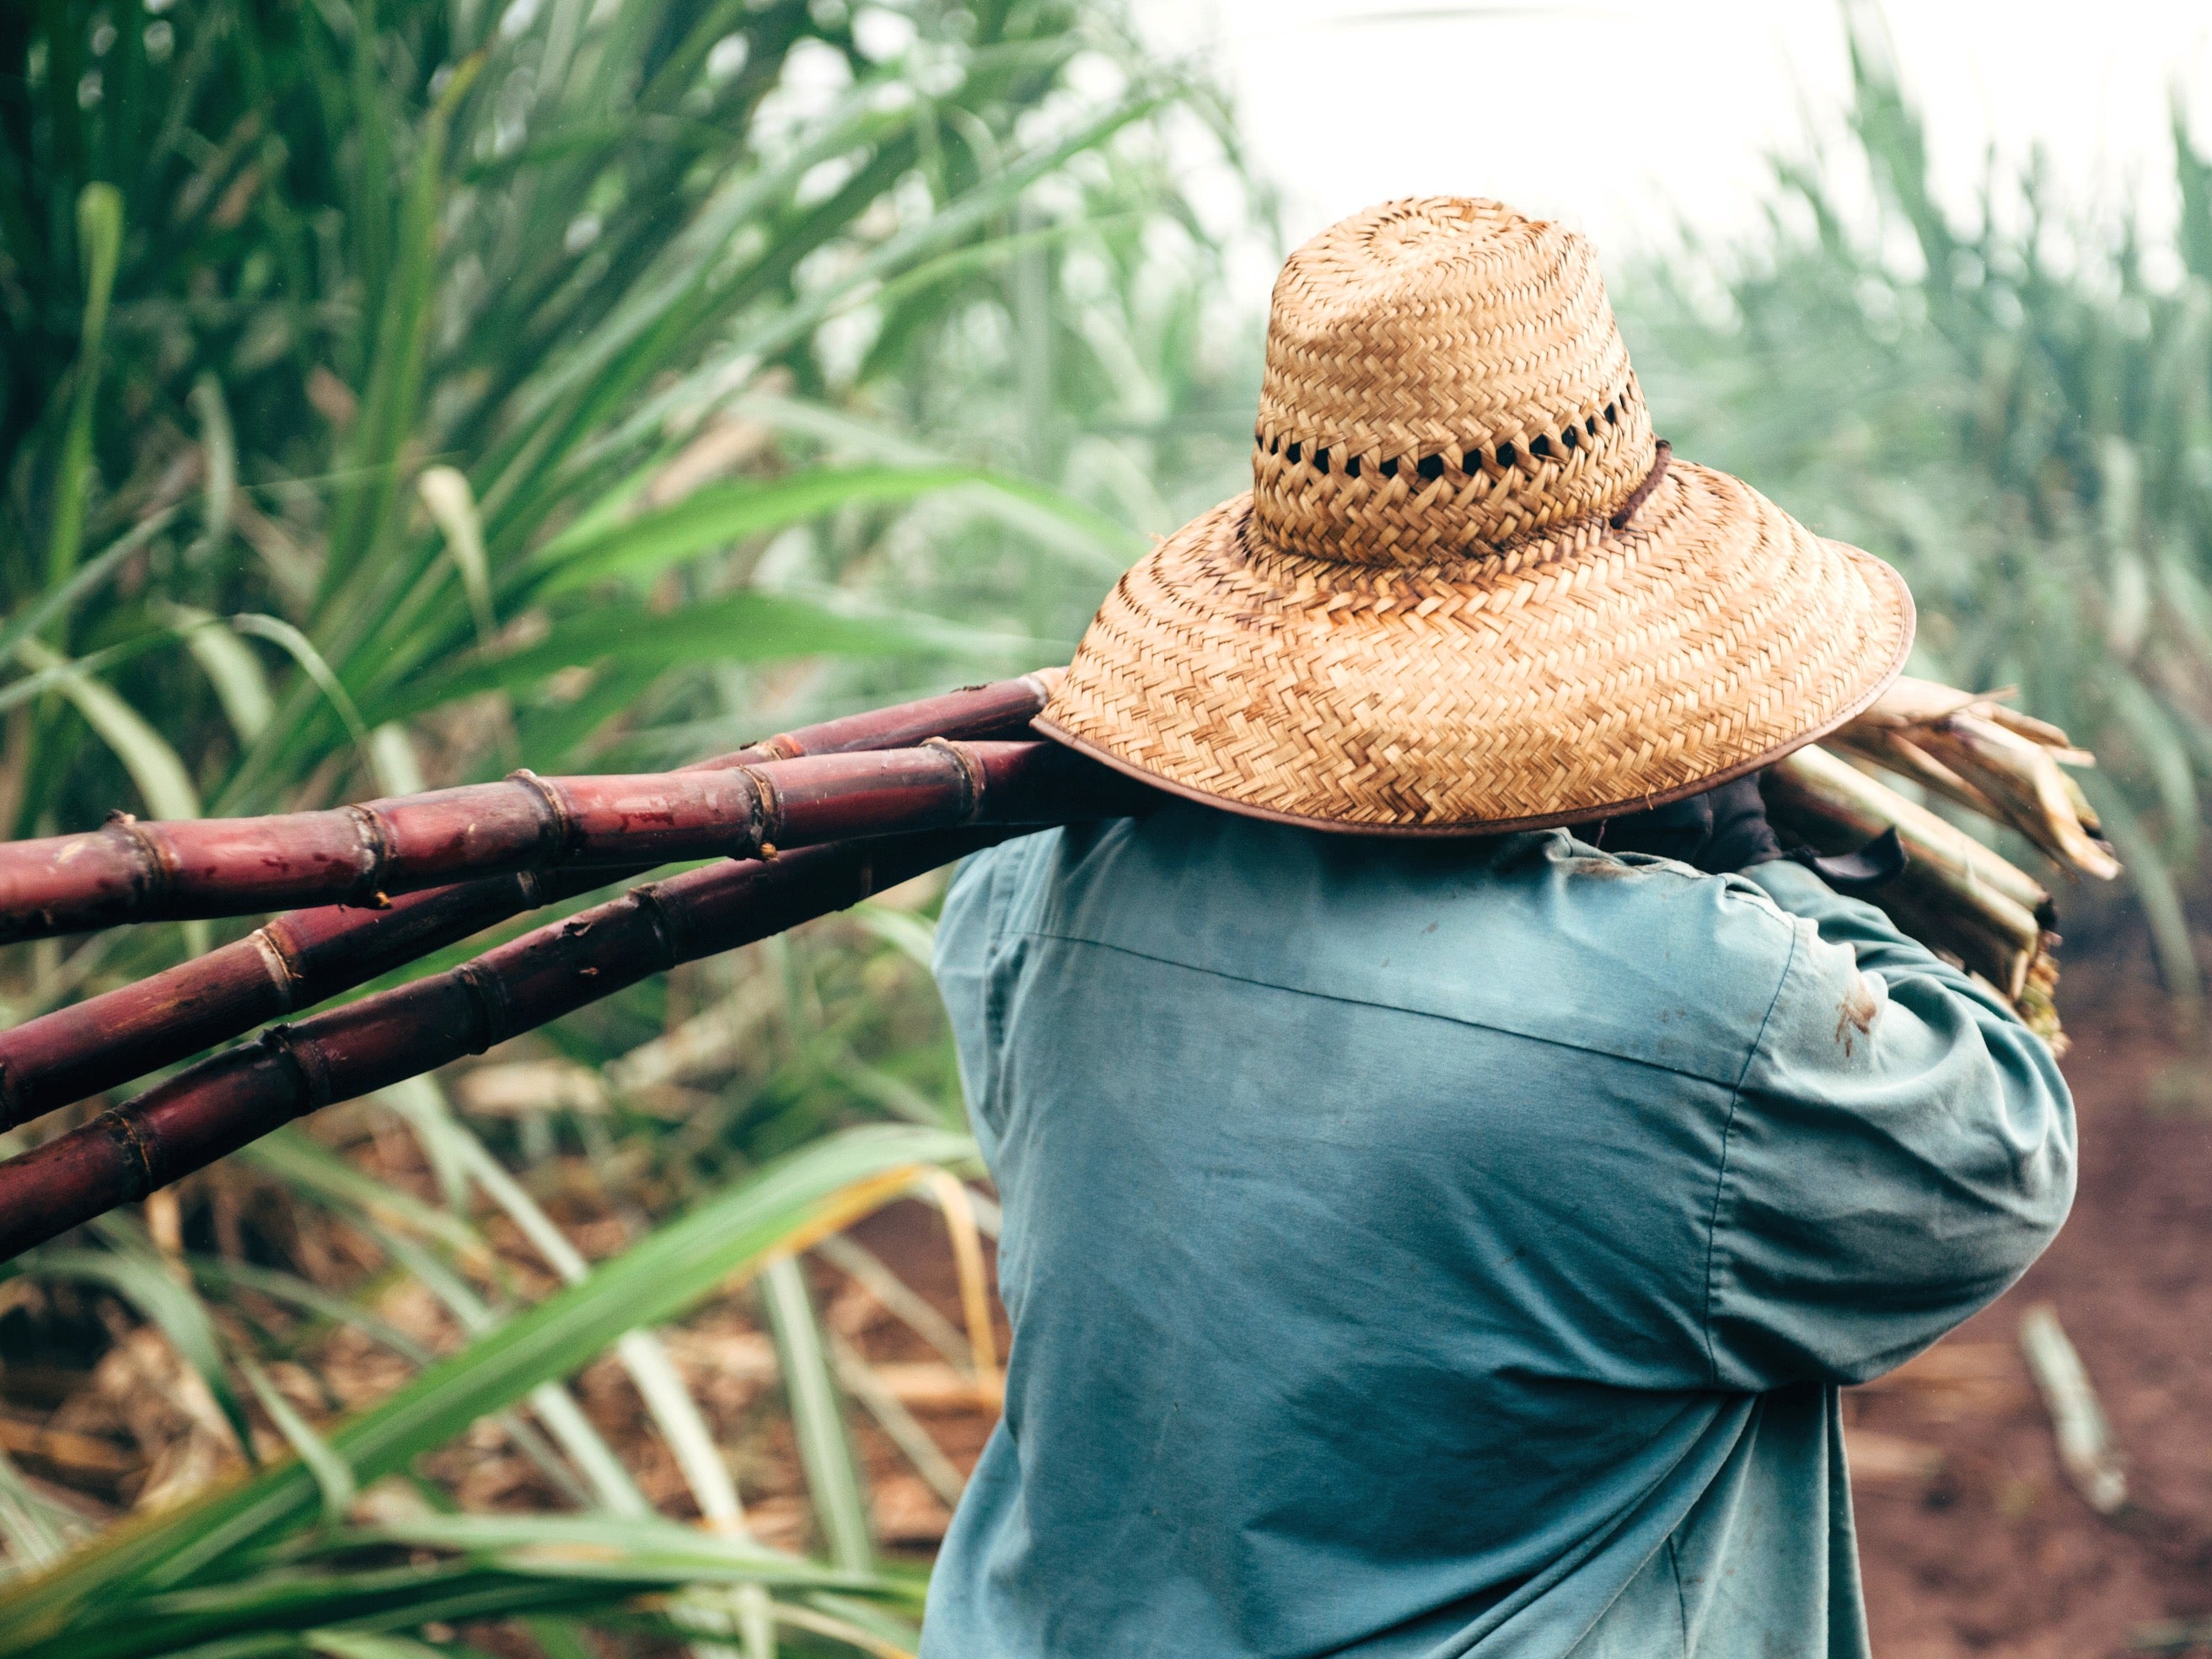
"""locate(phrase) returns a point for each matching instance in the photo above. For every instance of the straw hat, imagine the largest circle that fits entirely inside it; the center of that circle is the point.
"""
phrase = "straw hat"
(1468, 592)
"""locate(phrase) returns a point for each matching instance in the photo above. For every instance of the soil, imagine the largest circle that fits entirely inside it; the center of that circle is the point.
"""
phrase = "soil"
(1972, 1540)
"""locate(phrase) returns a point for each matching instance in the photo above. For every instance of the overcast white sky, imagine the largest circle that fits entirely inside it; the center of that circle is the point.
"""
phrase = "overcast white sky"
(1619, 116)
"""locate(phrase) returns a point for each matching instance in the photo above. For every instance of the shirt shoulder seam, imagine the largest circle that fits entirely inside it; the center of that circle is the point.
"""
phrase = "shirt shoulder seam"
(1399, 1008)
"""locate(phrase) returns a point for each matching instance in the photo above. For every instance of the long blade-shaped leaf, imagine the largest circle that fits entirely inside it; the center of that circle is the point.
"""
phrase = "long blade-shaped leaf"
(331, 1474)
(99, 231)
(720, 514)
(31, 618)
(749, 626)
(817, 1416)
(152, 765)
(231, 667)
(674, 1412)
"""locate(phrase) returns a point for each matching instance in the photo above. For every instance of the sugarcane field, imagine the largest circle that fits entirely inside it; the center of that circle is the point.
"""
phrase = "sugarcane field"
(1254, 830)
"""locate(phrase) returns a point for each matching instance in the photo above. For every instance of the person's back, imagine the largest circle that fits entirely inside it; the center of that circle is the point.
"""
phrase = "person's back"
(1427, 1234)
(1431, 1249)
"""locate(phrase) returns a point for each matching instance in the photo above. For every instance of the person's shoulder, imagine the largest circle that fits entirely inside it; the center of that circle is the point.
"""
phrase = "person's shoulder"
(1639, 890)
(1535, 933)
(1663, 963)
(988, 888)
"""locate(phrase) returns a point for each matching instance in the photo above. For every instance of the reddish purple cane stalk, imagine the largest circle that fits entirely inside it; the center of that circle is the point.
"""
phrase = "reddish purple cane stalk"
(131, 872)
(301, 959)
(211, 1109)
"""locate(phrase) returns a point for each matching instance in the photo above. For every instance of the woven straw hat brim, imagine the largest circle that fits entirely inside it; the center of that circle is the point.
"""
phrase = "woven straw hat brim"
(1578, 675)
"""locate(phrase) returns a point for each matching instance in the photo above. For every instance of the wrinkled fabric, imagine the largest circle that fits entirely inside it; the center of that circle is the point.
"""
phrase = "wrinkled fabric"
(1454, 1248)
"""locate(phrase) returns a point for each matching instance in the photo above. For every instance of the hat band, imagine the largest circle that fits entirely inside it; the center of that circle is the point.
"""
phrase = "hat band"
(1472, 457)
(1660, 451)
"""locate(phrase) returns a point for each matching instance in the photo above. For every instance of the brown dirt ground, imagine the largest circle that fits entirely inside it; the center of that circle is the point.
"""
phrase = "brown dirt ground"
(1973, 1541)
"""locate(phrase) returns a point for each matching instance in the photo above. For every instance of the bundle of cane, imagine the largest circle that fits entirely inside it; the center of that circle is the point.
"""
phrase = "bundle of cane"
(1957, 894)
(802, 824)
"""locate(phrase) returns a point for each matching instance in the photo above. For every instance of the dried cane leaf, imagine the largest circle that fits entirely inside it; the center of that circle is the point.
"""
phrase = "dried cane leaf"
(144, 1282)
(868, 1271)
(957, 1204)
(2086, 1449)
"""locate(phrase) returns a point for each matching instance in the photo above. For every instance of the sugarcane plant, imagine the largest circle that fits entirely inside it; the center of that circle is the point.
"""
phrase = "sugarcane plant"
(1956, 894)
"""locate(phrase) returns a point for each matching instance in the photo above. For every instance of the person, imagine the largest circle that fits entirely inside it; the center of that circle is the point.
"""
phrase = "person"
(1434, 1226)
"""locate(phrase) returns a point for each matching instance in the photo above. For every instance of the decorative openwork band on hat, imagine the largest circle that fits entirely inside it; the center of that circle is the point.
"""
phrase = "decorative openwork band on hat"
(1469, 591)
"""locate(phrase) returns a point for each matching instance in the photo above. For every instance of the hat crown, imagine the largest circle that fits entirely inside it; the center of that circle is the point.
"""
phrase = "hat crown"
(1444, 378)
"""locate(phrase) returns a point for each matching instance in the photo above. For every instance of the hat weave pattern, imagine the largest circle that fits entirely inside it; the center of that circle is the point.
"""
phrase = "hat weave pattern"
(1423, 619)
(1442, 378)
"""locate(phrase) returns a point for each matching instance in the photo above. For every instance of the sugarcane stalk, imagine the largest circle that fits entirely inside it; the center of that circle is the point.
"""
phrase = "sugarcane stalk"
(1959, 896)
(2006, 766)
(2023, 778)
(1001, 709)
(309, 956)
(1984, 937)
(1991, 759)
(1955, 894)
(132, 872)
(1893, 752)
(293, 963)
(214, 1108)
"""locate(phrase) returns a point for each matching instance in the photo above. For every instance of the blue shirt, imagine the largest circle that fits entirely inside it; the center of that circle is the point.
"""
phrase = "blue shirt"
(1441, 1247)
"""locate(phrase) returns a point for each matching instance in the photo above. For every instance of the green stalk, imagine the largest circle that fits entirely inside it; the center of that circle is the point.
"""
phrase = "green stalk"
(817, 1415)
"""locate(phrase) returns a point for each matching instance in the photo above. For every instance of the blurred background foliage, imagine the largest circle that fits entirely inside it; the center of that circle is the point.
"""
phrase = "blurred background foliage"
(436, 349)
(397, 391)
(2017, 412)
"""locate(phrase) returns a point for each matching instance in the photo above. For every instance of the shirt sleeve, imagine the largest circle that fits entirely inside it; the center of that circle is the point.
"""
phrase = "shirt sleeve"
(970, 963)
(961, 963)
(1900, 1149)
